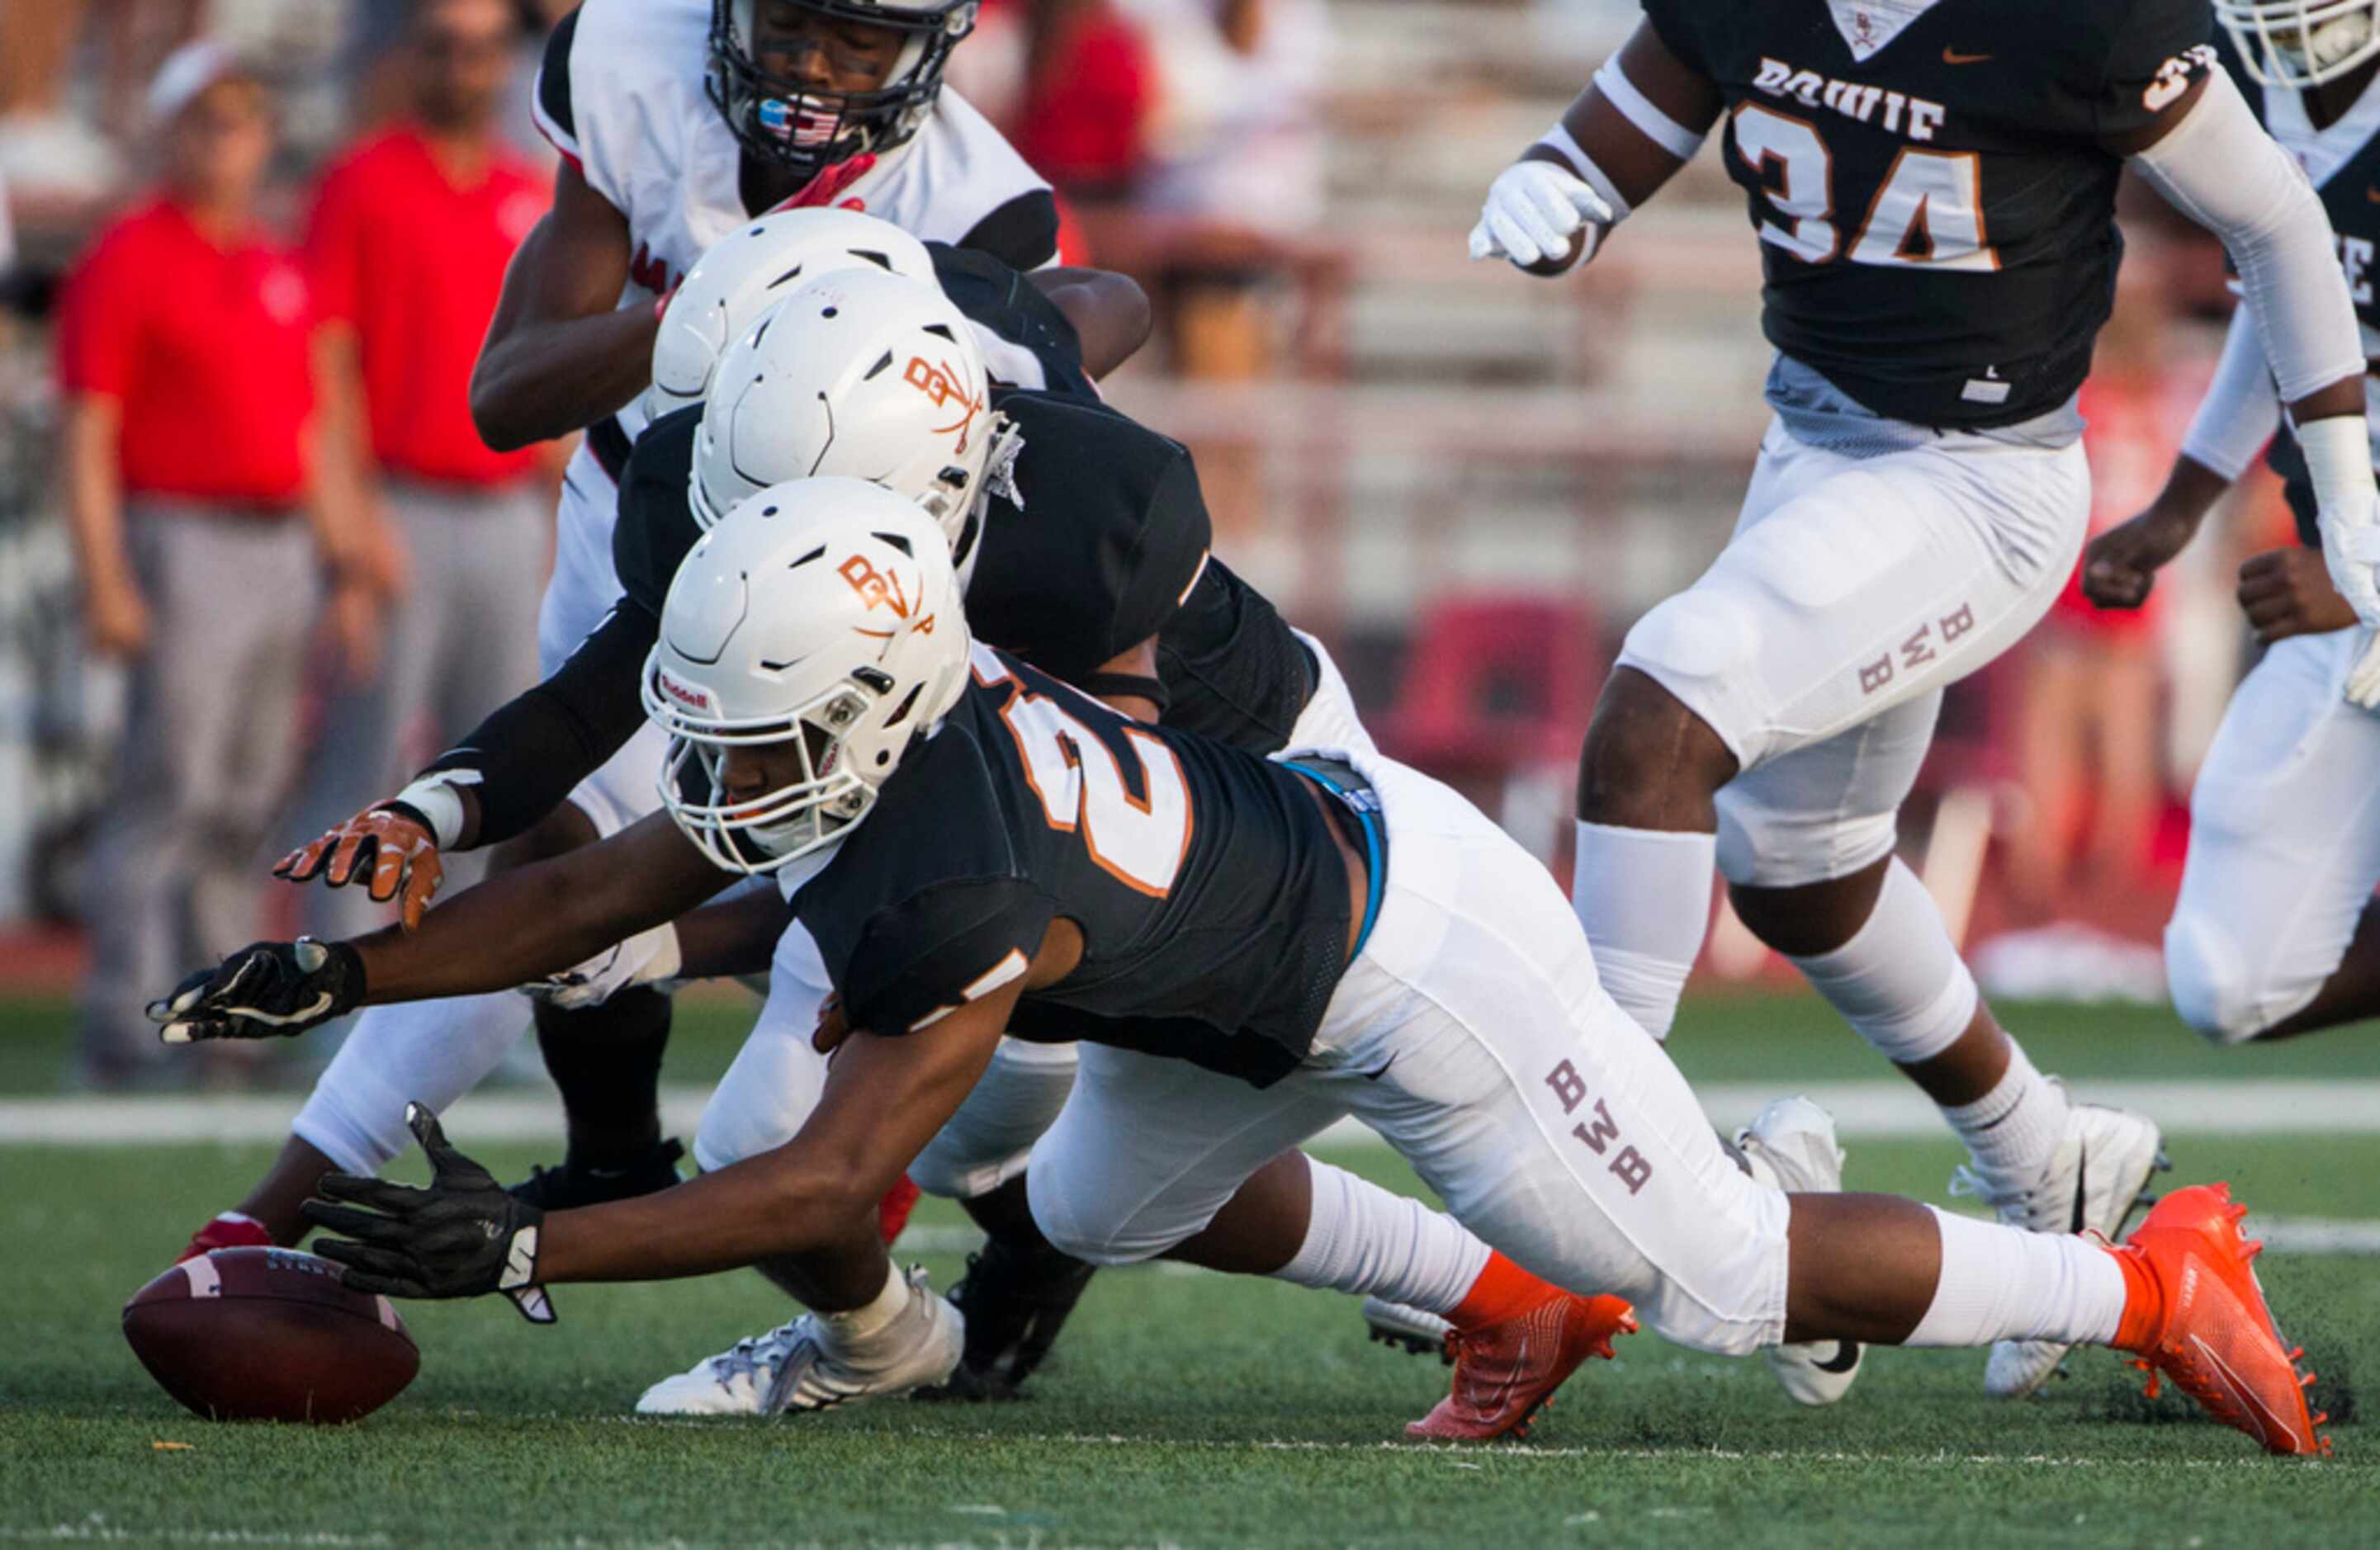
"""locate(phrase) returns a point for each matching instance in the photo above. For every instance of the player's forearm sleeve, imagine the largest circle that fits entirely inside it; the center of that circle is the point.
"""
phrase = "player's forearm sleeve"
(2241, 410)
(2218, 167)
(532, 750)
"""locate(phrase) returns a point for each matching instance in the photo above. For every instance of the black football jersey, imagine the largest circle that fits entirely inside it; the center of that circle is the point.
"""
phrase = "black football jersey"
(1107, 539)
(1212, 900)
(1935, 211)
(2347, 176)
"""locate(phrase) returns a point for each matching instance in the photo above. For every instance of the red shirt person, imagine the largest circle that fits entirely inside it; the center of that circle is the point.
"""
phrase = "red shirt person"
(202, 520)
(411, 232)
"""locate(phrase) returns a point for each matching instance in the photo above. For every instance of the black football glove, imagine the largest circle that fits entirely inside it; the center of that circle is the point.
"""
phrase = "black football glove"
(265, 990)
(461, 1237)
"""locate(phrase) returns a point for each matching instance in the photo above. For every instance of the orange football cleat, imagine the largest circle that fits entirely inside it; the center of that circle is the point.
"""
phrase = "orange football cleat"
(2196, 1314)
(229, 1230)
(1506, 1372)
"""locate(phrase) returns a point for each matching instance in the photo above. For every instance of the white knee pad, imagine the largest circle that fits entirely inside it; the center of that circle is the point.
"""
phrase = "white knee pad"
(1898, 981)
(987, 1142)
(2206, 975)
(1760, 847)
(1080, 1220)
(1697, 646)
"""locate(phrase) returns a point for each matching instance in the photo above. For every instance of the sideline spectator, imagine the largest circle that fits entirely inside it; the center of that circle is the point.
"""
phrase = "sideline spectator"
(1087, 95)
(410, 237)
(185, 353)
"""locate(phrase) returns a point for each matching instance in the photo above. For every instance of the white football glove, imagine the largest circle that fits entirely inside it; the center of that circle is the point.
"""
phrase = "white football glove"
(1534, 209)
(646, 957)
(2364, 678)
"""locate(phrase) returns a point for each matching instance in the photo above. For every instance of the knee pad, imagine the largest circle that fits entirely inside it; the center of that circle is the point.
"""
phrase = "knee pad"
(2206, 976)
(1701, 646)
(1898, 981)
(1070, 1217)
(1764, 846)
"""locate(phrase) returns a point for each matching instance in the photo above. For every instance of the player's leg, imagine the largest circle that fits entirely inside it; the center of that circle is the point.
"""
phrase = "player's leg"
(1155, 1157)
(2275, 932)
(1472, 1034)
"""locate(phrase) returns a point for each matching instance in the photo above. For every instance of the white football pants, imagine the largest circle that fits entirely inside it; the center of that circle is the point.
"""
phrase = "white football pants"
(1818, 643)
(2284, 843)
(1473, 1034)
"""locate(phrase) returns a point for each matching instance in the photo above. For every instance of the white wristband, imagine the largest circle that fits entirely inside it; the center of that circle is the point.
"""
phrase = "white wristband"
(435, 798)
(2339, 462)
(1638, 109)
(1562, 144)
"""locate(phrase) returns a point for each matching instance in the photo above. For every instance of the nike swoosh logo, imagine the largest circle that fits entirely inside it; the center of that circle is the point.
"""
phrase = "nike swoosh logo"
(2269, 1424)
(1376, 1075)
(1952, 56)
(256, 1014)
(1846, 1357)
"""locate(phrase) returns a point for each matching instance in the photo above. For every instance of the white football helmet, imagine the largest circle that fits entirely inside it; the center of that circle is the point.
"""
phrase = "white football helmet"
(860, 373)
(758, 264)
(819, 619)
(2299, 43)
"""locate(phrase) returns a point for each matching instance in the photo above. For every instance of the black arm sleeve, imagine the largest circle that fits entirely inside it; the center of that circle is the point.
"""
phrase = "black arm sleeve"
(1022, 233)
(532, 750)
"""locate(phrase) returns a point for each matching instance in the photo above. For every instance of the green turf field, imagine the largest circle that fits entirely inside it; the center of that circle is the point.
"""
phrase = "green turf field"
(1189, 1409)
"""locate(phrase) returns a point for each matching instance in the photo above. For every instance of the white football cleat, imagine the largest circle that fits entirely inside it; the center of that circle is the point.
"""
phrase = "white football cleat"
(2091, 1184)
(1395, 1324)
(810, 1364)
(1791, 1146)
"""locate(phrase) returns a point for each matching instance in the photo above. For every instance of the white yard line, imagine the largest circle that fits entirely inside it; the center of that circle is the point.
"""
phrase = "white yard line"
(1864, 1110)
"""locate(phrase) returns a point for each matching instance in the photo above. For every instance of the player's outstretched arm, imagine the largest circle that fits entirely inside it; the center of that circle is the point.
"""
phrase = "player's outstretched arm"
(561, 352)
(884, 1099)
(2204, 151)
(1641, 118)
(526, 924)
(1110, 312)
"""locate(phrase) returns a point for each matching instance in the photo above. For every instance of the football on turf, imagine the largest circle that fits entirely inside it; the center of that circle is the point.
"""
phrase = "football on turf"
(269, 1334)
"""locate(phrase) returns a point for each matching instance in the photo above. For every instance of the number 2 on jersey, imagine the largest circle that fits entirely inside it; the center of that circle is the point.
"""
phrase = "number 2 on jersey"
(1081, 780)
(1929, 211)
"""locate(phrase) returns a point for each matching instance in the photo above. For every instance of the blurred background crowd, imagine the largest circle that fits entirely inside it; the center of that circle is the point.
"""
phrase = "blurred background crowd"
(254, 567)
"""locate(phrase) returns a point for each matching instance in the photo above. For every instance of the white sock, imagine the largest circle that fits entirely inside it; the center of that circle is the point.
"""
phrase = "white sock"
(872, 1316)
(427, 1052)
(2001, 1283)
(1365, 1242)
(2013, 1130)
(1898, 982)
(1644, 897)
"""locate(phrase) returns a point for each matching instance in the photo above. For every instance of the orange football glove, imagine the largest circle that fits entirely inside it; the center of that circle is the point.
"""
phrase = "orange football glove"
(401, 852)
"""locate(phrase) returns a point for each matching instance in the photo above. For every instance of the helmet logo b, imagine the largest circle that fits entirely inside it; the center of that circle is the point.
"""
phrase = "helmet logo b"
(876, 587)
(941, 384)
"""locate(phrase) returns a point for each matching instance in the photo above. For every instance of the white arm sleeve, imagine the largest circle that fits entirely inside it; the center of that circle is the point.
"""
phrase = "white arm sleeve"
(2218, 167)
(2241, 410)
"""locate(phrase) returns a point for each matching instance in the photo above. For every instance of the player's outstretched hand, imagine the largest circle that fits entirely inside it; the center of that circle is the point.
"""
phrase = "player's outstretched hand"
(265, 990)
(1535, 210)
(464, 1236)
(389, 847)
(2119, 566)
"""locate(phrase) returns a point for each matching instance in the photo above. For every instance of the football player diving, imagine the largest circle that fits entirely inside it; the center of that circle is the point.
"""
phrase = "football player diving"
(1251, 950)
(1086, 540)
(1933, 191)
(2275, 933)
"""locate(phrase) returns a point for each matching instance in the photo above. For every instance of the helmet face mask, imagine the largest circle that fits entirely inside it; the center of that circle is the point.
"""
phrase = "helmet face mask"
(804, 129)
(2301, 43)
(809, 641)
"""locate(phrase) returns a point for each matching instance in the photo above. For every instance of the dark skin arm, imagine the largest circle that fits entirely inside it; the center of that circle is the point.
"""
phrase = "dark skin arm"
(561, 352)
(736, 935)
(2288, 592)
(1110, 312)
(543, 919)
(2119, 566)
(884, 1099)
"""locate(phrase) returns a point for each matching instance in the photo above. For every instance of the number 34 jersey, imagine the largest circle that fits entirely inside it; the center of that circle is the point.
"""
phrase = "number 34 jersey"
(1210, 893)
(1935, 208)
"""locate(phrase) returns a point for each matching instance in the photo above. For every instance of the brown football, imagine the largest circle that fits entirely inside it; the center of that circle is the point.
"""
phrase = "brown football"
(269, 1334)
